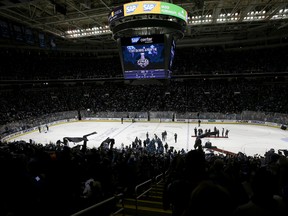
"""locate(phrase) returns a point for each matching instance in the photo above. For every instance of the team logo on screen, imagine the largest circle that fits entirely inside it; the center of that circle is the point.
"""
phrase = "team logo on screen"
(143, 62)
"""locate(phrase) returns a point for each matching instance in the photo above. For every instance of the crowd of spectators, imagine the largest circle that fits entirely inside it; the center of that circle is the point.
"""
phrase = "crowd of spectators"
(37, 65)
(221, 96)
(55, 179)
(200, 184)
(33, 65)
(215, 60)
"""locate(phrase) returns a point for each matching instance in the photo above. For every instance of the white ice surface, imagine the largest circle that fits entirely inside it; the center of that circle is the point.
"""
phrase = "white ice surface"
(249, 139)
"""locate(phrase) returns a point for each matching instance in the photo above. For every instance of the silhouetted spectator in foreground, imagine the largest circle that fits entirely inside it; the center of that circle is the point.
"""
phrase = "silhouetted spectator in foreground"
(209, 198)
(263, 201)
(190, 174)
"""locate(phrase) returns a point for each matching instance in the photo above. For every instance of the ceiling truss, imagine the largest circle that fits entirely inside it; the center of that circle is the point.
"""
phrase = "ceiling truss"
(59, 16)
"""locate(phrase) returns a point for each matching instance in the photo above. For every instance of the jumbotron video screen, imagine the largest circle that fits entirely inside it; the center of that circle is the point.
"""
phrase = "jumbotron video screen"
(144, 57)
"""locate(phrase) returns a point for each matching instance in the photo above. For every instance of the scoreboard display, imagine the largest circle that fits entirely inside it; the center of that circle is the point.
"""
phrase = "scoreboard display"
(143, 57)
(146, 57)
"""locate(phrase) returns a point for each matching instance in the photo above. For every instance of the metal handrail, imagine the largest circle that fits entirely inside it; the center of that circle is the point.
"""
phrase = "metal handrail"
(146, 191)
(90, 208)
(142, 194)
(157, 177)
(97, 205)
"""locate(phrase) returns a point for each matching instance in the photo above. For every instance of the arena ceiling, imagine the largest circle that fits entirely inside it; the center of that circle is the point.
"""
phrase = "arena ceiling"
(230, 23)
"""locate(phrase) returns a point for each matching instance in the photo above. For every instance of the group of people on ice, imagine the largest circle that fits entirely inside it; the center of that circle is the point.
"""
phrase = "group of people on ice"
(208, 132)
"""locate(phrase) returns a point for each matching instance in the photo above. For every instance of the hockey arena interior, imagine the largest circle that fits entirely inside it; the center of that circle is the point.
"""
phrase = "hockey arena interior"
(159, 108)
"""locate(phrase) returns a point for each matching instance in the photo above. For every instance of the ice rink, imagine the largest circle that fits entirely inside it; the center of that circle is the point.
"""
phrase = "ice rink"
(249, 139)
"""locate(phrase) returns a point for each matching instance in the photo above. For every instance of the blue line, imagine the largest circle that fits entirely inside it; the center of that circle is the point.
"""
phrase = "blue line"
(187, 145)
(156, 127)
(123, 129)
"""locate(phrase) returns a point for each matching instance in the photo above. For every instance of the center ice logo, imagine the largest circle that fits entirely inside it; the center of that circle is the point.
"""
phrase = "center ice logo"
(131, 8)
(148, 7)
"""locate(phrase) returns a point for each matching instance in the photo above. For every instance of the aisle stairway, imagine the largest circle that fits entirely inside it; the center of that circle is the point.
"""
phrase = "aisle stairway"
(150, 204)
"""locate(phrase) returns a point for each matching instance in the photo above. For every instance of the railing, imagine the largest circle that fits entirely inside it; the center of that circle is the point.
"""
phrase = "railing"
(160, 176)
(120, 196)
(148, 182)
(142, 194)
(96, 206)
